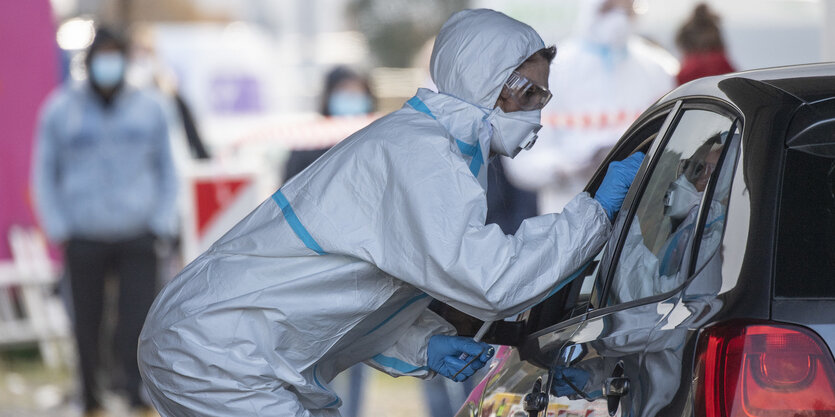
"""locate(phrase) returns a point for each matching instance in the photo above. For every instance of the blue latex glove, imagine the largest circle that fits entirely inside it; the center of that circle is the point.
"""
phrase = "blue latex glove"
(444, 351)
(616, 183)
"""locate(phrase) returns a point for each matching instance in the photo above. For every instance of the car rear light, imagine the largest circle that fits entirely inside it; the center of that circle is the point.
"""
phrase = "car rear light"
(763, 370)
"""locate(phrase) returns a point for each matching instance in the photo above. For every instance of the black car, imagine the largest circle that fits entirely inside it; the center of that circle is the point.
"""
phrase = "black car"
(715, 295)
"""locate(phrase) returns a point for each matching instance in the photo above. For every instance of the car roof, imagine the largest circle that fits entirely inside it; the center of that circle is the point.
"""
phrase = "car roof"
(809, 82)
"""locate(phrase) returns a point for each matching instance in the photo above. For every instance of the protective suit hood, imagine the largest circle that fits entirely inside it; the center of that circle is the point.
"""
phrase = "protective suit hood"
(475, 52)
(473, 56)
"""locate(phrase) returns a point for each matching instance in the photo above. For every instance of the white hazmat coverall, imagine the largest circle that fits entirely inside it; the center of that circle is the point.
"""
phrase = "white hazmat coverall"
(338, 267)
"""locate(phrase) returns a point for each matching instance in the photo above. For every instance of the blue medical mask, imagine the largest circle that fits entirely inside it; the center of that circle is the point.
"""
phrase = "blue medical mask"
(348, 104)
(107, 69)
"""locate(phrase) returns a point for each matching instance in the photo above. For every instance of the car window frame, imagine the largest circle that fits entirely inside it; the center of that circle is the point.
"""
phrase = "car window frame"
(606, 272)
(624, 147)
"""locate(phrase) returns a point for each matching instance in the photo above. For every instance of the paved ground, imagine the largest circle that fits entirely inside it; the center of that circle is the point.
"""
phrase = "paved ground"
(27, 389)
(393, 397)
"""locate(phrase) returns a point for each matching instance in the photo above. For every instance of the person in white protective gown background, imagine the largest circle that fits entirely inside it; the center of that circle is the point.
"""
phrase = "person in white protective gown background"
(605, 76)
(339, 265)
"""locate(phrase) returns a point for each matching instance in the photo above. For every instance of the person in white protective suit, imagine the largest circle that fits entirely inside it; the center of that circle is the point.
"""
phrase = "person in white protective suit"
(339, 265)
(605, 77)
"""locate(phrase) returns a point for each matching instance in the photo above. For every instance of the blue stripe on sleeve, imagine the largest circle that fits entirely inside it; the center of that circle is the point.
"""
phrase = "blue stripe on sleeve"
(316, 380)
(398, 364)
(408, 303)
(295, 223)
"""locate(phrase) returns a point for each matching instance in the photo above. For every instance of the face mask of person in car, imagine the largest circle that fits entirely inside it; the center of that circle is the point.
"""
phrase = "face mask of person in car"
(680, 197)
(513, 132)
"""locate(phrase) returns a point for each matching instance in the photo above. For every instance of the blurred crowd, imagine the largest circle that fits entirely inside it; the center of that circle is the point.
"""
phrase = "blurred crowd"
(112, 147)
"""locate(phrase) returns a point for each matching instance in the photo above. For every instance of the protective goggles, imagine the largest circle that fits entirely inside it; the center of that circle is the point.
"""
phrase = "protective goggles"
(525, 93)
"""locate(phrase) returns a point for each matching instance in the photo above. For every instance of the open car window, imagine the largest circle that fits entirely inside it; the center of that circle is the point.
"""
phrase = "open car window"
(657, 248)
(573, 299)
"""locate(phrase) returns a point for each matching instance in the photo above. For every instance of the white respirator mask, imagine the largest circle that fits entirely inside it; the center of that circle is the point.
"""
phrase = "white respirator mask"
(680, 197)
(514, 131)
(612, 28)
(141, 72)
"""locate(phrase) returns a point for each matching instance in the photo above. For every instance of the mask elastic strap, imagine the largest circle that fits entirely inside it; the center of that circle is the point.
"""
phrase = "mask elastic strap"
(483, 109)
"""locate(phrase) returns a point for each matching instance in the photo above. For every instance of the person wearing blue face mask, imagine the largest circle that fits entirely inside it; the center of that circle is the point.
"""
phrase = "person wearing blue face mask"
(107, 71)
(350, 97)
(105, 191)
(346, 94)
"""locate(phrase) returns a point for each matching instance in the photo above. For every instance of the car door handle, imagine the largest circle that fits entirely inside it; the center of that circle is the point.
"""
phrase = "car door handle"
(536, 401)
(615, 387)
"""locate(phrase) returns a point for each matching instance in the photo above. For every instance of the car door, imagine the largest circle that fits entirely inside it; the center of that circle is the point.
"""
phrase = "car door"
(515, 373)
(615, 363)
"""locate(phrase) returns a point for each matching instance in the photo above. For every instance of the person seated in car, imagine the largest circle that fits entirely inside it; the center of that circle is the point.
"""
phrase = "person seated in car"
(681, 209)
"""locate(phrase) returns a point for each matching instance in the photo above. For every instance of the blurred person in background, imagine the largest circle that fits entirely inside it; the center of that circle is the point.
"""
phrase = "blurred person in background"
(105, 189)
(346, 94)
(603, 77)
(700, 41)
(147, 71)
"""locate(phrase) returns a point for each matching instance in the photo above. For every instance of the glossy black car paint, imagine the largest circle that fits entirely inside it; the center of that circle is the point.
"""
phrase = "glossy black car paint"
(652, 342)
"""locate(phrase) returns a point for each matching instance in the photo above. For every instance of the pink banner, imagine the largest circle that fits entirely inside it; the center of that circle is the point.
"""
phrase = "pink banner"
(28, 72)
